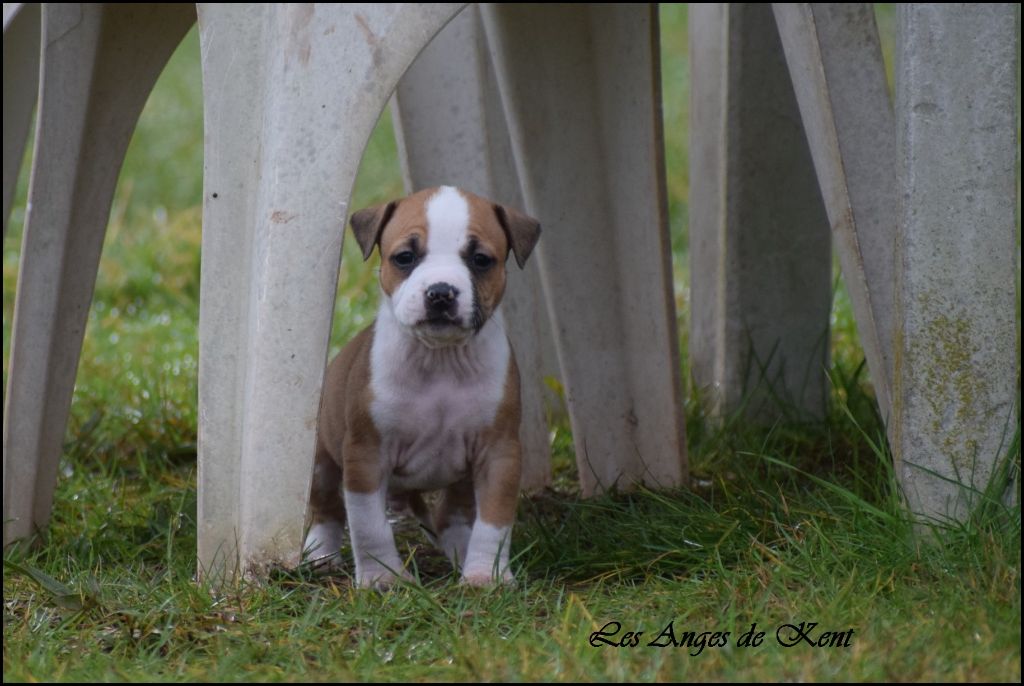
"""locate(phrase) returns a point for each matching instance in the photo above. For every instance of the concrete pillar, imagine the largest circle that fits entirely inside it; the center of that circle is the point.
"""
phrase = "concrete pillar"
(21, 79)
(956, 398)
(580, 88)
(837, 72)
(291, 96)
(760, 249)
(99, 64)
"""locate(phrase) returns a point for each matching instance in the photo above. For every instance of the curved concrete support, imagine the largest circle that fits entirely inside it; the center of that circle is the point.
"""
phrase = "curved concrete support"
(580, 87)
(451, 131)
(21, 80)
(292, 94)
(99, 64)
(835, 62)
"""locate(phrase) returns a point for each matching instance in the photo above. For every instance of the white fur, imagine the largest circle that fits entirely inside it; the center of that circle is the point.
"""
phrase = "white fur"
(454, 540)
(373, 543)
(431, 405)
(323, 542)
(487, 557)
(447, 234)
(447, 221)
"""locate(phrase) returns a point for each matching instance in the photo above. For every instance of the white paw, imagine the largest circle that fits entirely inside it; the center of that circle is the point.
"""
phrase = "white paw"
(484, 577)
(323, 543)
(379, 577)
(454, 541)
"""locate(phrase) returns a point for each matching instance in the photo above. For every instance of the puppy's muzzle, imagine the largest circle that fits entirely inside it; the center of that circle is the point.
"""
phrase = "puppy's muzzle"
(441, 301)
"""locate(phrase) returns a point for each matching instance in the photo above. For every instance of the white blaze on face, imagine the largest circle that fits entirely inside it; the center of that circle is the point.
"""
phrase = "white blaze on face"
(447, 222)
(447, 234)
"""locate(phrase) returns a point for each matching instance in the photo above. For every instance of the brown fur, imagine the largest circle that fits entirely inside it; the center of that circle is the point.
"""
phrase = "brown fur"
(497, 477)
(346, 428)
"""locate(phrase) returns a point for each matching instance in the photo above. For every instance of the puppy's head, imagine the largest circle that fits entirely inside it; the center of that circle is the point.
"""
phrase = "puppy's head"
(443, 254)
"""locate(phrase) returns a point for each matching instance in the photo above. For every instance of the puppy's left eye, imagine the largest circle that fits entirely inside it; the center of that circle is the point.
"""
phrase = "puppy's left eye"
(405, 259)
(482, 261)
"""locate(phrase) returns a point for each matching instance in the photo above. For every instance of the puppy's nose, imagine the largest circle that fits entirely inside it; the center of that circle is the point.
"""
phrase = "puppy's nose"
(441, 296)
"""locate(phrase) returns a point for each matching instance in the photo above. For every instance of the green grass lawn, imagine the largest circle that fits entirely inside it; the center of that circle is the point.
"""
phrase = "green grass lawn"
(793, 530)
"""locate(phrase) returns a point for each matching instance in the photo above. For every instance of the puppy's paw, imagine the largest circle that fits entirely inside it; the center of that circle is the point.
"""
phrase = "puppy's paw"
(330, 562)
(321, 548)
(454, 541)
(484, 578)
(380, 578)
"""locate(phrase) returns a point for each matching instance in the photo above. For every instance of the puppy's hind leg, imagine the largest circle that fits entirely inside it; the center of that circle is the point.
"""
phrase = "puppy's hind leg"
(413, 504)
(453, 520)
(327, 528)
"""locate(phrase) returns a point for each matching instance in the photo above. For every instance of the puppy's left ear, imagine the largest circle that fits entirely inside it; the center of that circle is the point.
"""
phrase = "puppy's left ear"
(522, 232)
(368, 225)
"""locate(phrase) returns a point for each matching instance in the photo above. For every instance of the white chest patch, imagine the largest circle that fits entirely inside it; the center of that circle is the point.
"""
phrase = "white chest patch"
(432, 405)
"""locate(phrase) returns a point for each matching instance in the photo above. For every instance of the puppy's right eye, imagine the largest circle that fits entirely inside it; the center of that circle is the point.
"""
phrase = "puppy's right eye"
(404, 259)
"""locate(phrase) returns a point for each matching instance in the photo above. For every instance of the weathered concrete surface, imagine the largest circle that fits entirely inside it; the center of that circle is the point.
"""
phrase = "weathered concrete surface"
(21, 80)
(955, 395)
(451, 131)
(580, 89)
(760, 249)
(292, 95)
(837, 71)
(99, 64)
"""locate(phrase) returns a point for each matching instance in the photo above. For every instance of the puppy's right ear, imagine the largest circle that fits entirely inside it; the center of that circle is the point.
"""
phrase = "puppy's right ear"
(522, 232)
(368, 225)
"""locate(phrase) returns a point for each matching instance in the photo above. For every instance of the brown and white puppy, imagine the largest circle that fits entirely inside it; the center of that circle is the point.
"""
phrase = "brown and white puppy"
(427, 397)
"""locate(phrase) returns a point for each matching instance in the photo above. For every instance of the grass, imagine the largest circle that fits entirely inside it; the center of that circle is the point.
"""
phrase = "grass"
(791, 524)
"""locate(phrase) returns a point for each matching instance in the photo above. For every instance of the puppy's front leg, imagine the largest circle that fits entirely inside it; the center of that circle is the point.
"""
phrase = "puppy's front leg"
(373, 542)
(497, 490)
(327, 530)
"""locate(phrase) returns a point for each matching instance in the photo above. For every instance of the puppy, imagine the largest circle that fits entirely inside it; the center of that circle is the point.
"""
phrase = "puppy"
(427, 397)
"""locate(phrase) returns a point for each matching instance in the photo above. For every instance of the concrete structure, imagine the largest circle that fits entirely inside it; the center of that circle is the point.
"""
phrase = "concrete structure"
(289, 107)
(580, 87)
(837, 72)
(923, 220)
(21, 75)
(99, 63)
(760, 250)
(289, 110)
(956, 398)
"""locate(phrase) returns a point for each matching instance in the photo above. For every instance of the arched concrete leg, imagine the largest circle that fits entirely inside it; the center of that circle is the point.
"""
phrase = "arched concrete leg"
(581, 93)
(233, 83)
(21, 79)
(292, 93)
(955, 400)
(837, 71)
(760, 249)
(452, 131)
(100, 62)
